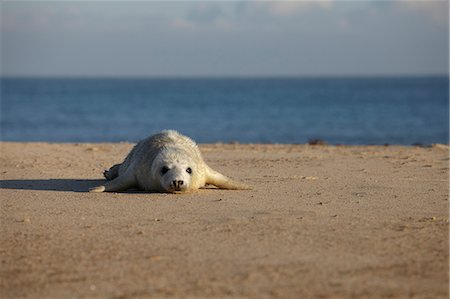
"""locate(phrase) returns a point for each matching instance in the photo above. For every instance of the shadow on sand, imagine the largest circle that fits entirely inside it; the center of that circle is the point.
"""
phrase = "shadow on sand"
(72, 185)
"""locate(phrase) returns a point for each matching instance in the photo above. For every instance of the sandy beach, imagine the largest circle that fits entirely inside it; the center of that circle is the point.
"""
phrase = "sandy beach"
(320, 222)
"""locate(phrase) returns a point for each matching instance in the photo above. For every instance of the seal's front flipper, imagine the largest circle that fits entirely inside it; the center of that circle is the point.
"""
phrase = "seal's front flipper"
(120, 183)
(219, 180)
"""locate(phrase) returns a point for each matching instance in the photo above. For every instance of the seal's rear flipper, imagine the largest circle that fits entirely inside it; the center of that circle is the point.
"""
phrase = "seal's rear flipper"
(112, 173)
(219, 180)
(120, 183)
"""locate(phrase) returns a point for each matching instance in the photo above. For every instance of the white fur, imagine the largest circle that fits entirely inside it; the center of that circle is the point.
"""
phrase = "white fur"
(143, 167)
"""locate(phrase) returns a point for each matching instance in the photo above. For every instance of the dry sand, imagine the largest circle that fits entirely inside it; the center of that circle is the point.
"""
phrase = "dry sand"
(321, 222)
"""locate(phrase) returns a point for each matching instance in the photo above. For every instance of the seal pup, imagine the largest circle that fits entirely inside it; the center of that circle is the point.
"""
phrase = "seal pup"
(165, 162)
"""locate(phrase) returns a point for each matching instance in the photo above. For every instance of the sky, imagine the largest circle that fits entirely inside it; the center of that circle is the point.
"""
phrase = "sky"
(233, 38)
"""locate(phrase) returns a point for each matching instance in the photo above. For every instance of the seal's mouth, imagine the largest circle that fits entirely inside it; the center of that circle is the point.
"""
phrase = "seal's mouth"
(176, 191)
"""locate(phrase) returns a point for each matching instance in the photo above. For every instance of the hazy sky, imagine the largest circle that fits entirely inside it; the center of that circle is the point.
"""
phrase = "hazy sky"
(224, 38)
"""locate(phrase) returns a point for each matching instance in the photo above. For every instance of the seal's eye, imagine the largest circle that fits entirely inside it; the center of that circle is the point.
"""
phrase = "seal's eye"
(164, 169)
(189, 170)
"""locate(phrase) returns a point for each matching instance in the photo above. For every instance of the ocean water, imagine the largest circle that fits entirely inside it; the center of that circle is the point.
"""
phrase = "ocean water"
(267, 110)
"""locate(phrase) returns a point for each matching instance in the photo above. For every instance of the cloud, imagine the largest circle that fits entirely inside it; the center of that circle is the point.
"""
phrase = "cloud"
(290, 8)
(437, 11)
(258, 10)
(205, 13)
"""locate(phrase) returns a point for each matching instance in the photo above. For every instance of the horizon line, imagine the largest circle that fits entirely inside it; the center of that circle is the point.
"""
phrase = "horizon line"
(203, 77)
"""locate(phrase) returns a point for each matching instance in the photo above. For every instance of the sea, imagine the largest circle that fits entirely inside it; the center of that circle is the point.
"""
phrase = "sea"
(343, 110)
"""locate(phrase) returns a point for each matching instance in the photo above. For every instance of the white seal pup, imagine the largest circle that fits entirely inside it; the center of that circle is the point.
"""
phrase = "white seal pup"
(165, 162)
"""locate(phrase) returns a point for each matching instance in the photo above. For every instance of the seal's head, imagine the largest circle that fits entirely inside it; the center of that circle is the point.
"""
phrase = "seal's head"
(175, 171)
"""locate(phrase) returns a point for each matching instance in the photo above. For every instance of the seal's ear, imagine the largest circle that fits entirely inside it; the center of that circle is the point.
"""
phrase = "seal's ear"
(219, 180)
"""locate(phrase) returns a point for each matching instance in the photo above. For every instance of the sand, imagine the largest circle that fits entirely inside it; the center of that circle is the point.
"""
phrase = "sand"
(321, 222)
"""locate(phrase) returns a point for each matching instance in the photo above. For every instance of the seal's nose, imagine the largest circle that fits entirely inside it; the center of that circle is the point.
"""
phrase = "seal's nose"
(177, 184)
